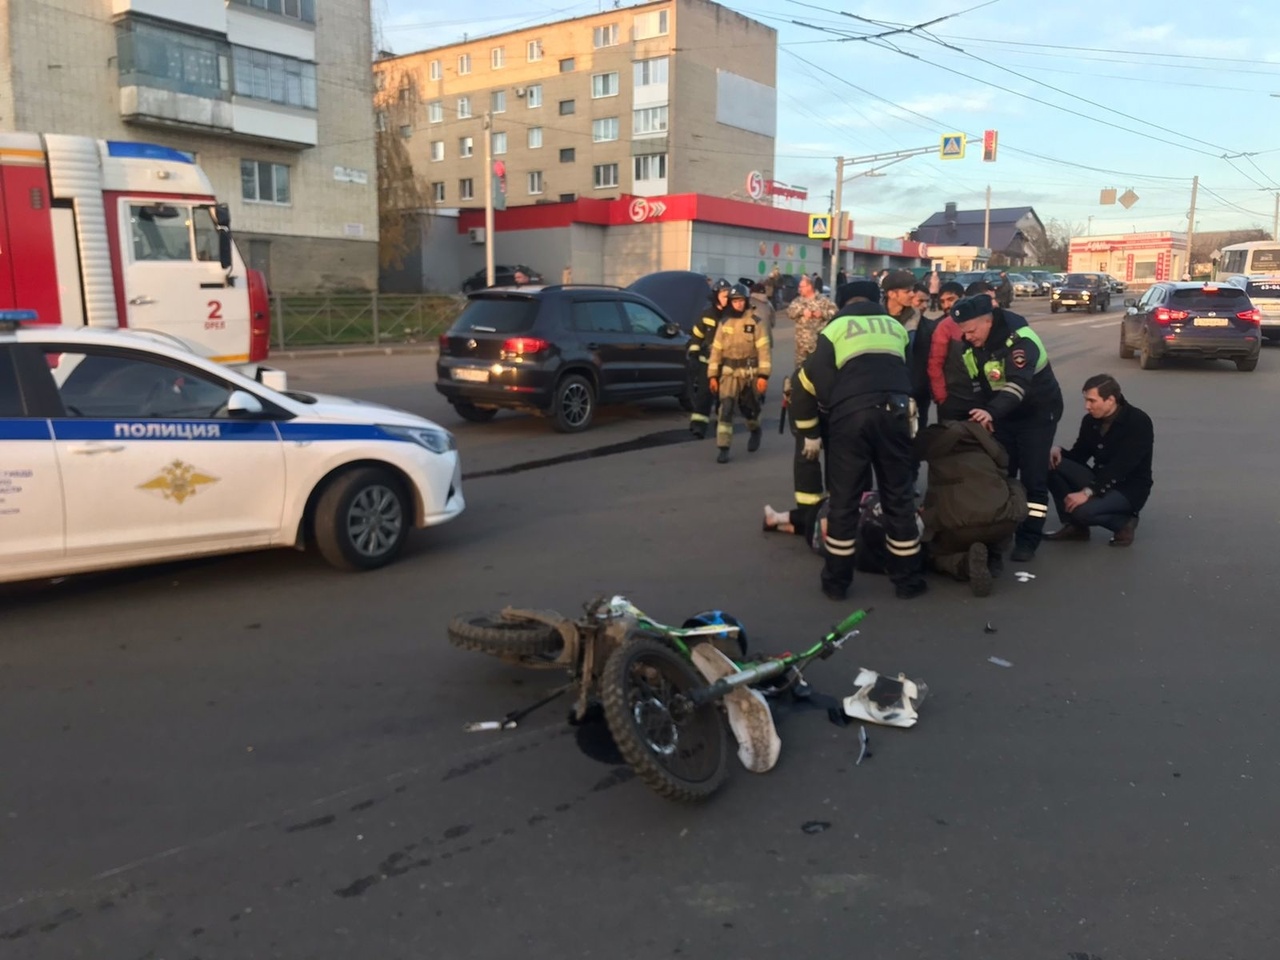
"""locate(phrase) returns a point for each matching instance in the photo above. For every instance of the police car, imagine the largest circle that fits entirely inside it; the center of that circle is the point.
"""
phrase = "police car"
(119, 448)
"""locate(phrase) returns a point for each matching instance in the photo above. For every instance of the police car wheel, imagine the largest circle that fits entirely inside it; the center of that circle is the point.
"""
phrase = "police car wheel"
(362, 519)
(574, 404)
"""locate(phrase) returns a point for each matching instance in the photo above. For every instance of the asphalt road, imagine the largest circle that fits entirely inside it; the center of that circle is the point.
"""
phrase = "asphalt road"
(257, 757)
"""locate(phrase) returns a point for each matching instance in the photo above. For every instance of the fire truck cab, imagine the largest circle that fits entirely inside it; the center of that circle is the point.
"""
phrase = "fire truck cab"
(115, 234)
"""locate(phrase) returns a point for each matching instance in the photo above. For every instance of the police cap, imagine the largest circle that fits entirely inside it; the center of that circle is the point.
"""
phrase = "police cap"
(971, 308)
(866, 289)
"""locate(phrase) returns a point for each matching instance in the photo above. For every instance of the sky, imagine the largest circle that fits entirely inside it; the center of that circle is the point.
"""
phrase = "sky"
(1134, 95)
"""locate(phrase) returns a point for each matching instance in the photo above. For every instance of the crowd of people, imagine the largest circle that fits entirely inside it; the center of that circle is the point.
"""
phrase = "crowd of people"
(871, 364)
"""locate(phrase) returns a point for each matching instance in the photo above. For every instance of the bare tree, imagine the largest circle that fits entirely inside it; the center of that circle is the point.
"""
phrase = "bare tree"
(1057, 241)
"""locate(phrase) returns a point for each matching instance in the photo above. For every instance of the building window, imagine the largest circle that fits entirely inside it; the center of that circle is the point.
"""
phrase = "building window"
(304, 10)
(499, 143)
(651, 72)
(466, 189)
(499, 101)
(604, 130)
(406, 130)
(605, 36)
(435, 112)
(466, 146)
(533, 50)
(566, 107)
(535, 182)
(464, 64)
(649, 122)
(652, 24)
(380, 121)
(464, 108)
(262, 182)
(535, 138)
(437, 191)
(651, 166)
(604, 85)
(433, 72)
(498, 58)
(437, 150)
(605, 175)
(533, 96)
(566, 65)
(183, 63)
(269, 76)
(567, 155)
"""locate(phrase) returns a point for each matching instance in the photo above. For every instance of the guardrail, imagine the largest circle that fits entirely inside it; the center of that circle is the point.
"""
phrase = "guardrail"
(374, 318)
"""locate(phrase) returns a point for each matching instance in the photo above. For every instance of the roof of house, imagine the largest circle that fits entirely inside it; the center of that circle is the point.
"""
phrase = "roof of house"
(969, 227)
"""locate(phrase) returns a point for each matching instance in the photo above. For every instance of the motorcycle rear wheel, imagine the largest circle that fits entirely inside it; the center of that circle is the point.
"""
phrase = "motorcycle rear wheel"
(498, 636)
(681, 751)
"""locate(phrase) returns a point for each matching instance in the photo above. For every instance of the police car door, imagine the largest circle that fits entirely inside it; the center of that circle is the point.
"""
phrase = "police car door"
(31, 531)
(153, 464)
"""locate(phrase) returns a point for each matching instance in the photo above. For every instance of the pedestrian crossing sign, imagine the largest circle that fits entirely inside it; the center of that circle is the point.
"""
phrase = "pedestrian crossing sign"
(952, 146)
(819, 226)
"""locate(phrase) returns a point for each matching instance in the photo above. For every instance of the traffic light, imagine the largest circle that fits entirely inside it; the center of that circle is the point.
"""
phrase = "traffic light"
(499, 185)
(990, 139)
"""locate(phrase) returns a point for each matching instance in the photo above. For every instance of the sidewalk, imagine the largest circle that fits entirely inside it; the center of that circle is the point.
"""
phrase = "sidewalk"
(351, 350)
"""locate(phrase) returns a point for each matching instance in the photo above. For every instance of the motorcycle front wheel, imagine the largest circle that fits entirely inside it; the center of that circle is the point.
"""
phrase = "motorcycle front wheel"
(679, 749)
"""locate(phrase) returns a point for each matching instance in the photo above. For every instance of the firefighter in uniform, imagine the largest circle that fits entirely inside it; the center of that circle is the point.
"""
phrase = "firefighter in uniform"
(1019, 401)
(738, 369)
(704, 331)
(858, 377)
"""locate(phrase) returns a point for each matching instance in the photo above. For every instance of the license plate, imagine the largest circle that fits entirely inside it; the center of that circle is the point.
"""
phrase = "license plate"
(471, 375)
(1212, 322)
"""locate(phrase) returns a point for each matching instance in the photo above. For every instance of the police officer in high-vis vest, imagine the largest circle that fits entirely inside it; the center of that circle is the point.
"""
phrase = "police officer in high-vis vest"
(1018, 399)
(858, 377)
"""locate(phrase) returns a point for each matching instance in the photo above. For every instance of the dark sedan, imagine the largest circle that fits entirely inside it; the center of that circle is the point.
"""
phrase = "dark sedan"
(560, 351)
(1203, 321)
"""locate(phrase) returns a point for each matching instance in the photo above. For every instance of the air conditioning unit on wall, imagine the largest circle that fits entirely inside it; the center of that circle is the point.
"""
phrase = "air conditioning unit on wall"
(476, 234)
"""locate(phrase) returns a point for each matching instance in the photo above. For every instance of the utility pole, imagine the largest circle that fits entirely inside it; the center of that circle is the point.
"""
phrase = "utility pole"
(1191, 224)
(1275, 224)
(837, 223)
(986, 223)
(488, 199)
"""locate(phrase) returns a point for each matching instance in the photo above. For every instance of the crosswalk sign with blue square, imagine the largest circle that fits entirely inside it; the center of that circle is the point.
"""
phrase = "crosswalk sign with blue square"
(952, 146)
(819, 226)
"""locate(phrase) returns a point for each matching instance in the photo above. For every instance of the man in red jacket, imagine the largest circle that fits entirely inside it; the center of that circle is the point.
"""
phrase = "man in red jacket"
(1119, 439)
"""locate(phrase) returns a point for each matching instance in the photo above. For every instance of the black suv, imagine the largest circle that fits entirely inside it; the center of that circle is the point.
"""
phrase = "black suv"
(1204, 321)
(560, 351)
(1089, 290)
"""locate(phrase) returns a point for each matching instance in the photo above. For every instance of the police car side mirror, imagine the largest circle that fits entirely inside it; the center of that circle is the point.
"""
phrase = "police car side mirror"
(241, 403)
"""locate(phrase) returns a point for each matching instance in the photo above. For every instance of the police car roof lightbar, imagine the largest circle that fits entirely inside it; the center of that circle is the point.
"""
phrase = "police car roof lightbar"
(10, 319)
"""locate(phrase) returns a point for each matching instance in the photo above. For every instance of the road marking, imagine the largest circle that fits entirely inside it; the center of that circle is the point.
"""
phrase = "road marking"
(1099, 326)
(1077, 323)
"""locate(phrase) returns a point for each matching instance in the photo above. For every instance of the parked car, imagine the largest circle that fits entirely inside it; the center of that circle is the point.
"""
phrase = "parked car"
(560, 351)
(1206, 321)
(968, 277)
(1117, 285)
(681, 294)
(503, 276)
(1264, 294)
(123, 448)
(1022, 285)
(1058, 278)
(1043, 281)
(1088, 290)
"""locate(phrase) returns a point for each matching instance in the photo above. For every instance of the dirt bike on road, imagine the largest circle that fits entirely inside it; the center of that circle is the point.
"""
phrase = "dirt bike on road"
(661, 687)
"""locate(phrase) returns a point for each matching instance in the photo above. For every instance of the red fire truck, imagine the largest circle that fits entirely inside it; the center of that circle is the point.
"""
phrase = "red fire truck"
(115, 234)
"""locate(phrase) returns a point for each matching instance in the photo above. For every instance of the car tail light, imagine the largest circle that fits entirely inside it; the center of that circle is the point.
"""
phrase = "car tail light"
(1250, 316)
(1165, 315)
(444, 343)
(523, 346)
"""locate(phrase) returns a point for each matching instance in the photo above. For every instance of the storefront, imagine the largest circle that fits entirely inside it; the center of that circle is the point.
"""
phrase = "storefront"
(1140, 259)
(616, 241)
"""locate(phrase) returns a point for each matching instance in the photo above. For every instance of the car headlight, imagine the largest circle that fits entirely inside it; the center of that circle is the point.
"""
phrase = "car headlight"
(1085, 295)
(433, 438)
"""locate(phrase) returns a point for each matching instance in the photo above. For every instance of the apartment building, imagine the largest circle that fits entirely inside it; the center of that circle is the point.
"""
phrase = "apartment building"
(677, 96)
(272, 96)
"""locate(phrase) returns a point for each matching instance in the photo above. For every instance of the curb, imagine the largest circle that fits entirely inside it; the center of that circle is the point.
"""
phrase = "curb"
(355, 350)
